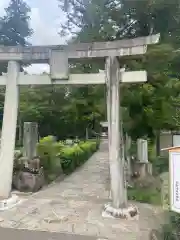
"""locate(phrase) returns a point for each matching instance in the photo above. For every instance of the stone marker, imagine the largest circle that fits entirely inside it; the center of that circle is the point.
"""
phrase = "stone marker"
(142, 167)
(30, 139)
(142, 150)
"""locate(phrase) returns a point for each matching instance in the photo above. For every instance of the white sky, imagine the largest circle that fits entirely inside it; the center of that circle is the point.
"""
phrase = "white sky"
(45, 20)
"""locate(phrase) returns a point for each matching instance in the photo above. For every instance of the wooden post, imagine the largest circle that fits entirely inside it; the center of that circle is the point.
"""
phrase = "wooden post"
(118, 189)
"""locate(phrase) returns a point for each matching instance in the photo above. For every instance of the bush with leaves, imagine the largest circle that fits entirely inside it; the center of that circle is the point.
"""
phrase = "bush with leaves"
(48, 150)
(57, 155)
(171, 231)
(88, 147)
(160, 164)
(74, 156)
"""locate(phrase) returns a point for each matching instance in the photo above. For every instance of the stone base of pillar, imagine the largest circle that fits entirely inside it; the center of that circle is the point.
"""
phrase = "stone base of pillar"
(129, 212)
(11, 202)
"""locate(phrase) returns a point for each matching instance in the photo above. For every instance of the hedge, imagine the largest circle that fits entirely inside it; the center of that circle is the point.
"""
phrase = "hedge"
(75, 156)
(57, 156)
(48, 150)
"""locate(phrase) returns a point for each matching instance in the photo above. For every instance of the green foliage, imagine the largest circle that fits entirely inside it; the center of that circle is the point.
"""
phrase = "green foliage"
(112, 20)
(80, 108)
(151, 150)
(85, 106)
(73, 157)
(14, 30)
(56, 155)
(165, 194)
(14, 26)
(108, 19)
(153, 16)
(160, 164)
(48, 150)
(88, 147)
(171, 231)
(47, 140)
(145, 195)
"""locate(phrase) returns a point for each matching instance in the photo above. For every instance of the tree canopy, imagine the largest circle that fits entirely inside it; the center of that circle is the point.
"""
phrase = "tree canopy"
(147, 108)
(14, 26)
(151, 106)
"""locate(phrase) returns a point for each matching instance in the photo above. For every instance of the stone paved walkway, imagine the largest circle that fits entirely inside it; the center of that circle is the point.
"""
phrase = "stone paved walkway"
(74, 206)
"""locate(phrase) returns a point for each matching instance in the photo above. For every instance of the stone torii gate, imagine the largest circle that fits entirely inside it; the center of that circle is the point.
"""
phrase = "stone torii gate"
(58, 57)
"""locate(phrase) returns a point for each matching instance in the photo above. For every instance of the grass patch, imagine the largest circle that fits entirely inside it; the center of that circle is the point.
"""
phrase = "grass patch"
(146, 190)
(160, 164)
(148, 195)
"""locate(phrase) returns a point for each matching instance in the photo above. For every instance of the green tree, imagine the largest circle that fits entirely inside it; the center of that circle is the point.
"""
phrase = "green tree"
(14, 30)
(91, 19)
(14, 26)
(61, 111)
(108, 19)
(154, 16)
(152, 106)
(148, 107)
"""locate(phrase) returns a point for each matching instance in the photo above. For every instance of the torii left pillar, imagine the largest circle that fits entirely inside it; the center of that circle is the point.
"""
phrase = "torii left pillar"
(9, 135)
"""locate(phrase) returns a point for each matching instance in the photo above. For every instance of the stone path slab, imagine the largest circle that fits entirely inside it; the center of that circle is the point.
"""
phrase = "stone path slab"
(74, 206)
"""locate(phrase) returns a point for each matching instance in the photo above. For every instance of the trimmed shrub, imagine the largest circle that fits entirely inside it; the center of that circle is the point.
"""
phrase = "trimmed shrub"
(88, 148)
(48, 150)
(75, 156)
(57, 155)
(48, 139)
(96, 142)
(70, 158)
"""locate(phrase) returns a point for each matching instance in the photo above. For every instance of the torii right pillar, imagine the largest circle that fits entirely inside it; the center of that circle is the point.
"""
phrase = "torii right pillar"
(118, 207)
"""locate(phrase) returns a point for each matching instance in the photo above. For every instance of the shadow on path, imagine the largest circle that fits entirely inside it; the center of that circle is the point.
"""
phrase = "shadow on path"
(11, 234)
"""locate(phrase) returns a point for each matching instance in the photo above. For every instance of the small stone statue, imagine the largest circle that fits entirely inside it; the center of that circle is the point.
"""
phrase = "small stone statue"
(34, 164)
(29, 175)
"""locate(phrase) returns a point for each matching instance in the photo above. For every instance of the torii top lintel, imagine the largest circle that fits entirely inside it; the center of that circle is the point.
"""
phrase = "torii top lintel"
(42, 54)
